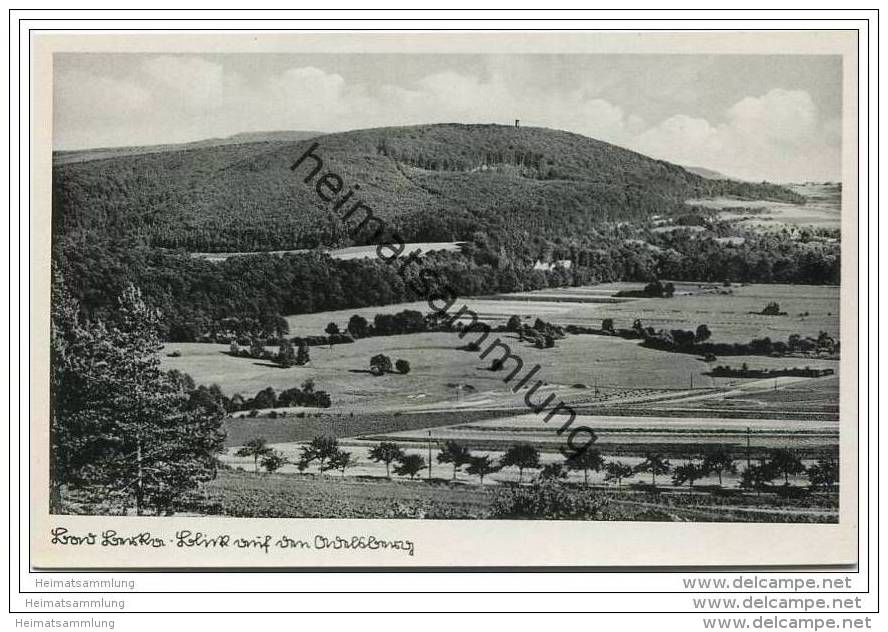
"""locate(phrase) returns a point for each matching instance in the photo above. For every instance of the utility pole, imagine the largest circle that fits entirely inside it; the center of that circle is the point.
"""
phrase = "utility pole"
(748, 457)
(430, 456)
(692, 381)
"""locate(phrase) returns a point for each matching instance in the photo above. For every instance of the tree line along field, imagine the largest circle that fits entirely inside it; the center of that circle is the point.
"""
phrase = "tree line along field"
(729, 311)
(443, 484)
(627, 438)
(630, 454)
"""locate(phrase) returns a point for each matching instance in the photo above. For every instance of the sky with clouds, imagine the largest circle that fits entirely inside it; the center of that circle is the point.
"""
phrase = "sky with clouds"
(753, 116)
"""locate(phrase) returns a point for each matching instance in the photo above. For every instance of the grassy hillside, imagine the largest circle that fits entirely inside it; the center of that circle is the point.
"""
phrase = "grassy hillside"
(433, 183)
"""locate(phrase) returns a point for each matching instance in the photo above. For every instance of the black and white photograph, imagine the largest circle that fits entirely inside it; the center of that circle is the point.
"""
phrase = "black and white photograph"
(573, 286)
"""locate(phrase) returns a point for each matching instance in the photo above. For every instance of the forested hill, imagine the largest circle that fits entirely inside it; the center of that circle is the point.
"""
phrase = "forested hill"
(432, 183)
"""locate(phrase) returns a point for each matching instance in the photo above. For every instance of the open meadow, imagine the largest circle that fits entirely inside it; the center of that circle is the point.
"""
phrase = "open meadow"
(344, 254)
(822, 210)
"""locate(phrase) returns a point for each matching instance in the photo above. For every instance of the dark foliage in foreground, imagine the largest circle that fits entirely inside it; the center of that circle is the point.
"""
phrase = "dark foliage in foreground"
(117, 420)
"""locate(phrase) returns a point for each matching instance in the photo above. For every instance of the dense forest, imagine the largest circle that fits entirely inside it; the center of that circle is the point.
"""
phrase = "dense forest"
(430, 183)
(515, 196)
(196, 294)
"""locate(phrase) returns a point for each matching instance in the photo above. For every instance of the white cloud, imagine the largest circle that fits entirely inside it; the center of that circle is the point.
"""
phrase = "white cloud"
(780, 115)
(778, 135)
(195, 83)
(83, 95)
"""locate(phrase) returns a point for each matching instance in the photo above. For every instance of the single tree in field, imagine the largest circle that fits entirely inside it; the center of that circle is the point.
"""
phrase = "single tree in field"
(286, 355)
(410, 465)
(273, 461)
(332, 329)
(402, 366)
(380, 364)
(687, 473)
(757, 476)
(824, 474)
(655, 464)
(320, 449)
(585, 461)
(617, 470)
(266, 398)
(455, 453)
(523, 456)
(386, 453)
(481, 466)
(357, 326)
(257, 348)
(514, 323)
(302, 356)
(256, 448)
(553, 472)
(607, 325)
(719, 460)
(786, 462)
(341, 461)
(703, 334)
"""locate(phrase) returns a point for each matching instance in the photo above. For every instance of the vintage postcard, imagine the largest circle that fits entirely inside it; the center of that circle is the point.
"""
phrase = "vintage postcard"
(424, 299)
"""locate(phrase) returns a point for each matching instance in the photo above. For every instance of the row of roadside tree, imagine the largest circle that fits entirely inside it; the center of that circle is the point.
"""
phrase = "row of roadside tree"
(326, 453)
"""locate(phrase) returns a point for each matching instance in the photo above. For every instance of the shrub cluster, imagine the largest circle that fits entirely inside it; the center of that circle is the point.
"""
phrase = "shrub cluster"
(547, 500)
(268, 398)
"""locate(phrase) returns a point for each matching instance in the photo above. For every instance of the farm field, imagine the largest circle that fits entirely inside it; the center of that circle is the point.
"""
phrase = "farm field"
(636, 399)
(315, 422)
(242, 494)
(582, 368)
(823, 209)
(818, 397)
(444, 375)
(728, 316)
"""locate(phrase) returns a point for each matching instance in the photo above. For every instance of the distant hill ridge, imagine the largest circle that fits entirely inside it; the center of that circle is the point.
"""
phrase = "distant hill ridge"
(432, 182)
(709, 174)
(100, 153)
